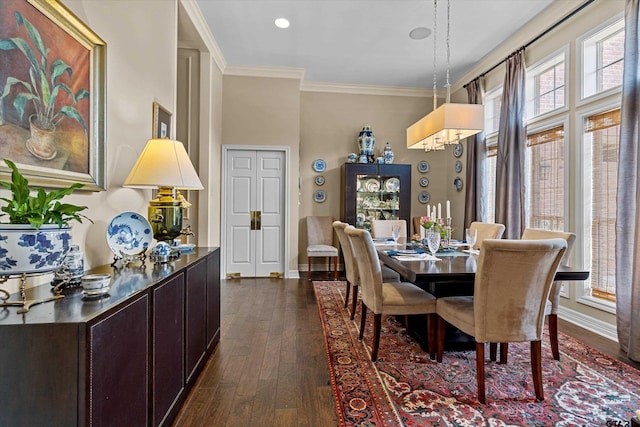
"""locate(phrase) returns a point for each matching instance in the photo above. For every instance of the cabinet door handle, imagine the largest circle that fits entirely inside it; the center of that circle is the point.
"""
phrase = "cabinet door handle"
(252, 216)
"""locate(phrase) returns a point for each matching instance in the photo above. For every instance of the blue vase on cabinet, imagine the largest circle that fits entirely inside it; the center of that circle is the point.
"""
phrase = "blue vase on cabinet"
(366, 141)
(387, 154)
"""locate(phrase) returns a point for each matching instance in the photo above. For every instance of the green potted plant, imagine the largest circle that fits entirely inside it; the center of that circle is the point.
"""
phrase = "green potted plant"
(43, 90)
(37, 237)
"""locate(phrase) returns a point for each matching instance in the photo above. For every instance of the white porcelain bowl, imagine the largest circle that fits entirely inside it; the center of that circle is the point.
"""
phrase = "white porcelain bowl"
(96, 284)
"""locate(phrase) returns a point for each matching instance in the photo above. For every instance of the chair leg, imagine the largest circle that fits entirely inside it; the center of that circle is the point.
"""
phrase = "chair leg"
(354, 301)
(363, 317)
(377, 325)
(442, 327)
(536, 368)
(480, 371)
(493, 349)
(309, 266)
(553, 335)
(431, 334)
(346, 296)
(335, 268)
(504, 352)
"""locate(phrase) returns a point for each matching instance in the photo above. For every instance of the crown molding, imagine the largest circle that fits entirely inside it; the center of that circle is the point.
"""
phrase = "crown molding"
(356, 89)
(195, 15)
(272, 72)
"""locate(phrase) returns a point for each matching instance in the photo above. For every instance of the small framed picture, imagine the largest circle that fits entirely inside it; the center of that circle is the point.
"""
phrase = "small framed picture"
(161, 122)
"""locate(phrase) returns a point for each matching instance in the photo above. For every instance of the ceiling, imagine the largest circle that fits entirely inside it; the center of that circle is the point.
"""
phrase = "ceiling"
(364, 42)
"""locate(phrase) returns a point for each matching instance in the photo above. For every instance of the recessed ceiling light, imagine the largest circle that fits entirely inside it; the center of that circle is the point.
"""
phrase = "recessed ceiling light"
(282, 23)
(420, 33)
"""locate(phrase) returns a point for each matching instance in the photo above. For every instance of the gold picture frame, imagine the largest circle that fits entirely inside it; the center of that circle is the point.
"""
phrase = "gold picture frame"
(76, 152)
(161, 122)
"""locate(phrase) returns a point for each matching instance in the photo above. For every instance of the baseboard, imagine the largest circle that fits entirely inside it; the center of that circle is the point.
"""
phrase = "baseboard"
(303, 267)
(293, 274)
(599, 327)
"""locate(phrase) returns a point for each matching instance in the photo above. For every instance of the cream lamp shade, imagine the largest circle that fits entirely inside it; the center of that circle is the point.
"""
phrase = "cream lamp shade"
(447, 124)
(164, 163)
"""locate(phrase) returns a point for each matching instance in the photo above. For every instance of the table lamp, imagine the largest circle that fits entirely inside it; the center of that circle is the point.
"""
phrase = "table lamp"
(165, 164)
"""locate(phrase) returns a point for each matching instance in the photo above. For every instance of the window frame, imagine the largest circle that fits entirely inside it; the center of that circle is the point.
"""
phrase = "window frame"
(583, 227)
(534, 70)
(581, 99)
(490, 95)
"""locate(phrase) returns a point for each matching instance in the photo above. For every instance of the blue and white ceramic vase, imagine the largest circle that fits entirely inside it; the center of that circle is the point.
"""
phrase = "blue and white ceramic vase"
(387, 154)
(25, 250)
(366, 141)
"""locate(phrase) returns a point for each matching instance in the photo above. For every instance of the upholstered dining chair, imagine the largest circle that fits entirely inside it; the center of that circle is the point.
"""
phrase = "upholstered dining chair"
(551, 307)
(400, 298)
(512, 283)
(320, 242)
(486, 230)
(351, 267)
(382, 227)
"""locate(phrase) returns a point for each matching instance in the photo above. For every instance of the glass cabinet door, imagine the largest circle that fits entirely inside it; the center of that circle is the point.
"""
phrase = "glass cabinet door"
(377, 197)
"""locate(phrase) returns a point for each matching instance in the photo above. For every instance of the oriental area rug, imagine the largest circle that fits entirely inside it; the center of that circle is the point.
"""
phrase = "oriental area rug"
(405, 388)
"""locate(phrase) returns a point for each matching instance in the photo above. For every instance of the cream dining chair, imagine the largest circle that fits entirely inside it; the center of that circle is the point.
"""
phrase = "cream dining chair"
(486, 230)
(382, 227)
(320, 242)
(400, 298)
(512, 283)
(351, 267)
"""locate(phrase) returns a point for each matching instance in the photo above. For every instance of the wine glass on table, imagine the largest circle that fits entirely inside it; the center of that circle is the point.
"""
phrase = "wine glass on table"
(471, 236)
(433, 241)
(395, 233)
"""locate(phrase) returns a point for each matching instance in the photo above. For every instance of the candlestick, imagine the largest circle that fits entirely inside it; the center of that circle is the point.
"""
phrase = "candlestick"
(439, 210)
(448, 209)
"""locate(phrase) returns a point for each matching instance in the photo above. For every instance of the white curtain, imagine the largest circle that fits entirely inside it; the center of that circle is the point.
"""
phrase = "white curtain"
(512, 138)
(628, 203)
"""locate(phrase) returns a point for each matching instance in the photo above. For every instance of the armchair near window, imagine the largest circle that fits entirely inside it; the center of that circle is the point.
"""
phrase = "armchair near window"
(486, 230)
(512, 283)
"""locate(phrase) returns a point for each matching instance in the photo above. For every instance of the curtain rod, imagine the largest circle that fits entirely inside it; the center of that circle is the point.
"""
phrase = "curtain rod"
(539, 36)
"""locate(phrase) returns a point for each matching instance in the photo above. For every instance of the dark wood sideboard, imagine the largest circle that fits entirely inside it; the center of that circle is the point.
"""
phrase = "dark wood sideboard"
(128, 359)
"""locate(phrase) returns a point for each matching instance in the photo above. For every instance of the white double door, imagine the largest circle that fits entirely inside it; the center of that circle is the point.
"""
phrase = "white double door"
(254, 212)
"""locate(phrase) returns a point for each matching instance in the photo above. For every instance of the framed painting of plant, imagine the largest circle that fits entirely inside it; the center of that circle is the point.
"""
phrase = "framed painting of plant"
(52, 95)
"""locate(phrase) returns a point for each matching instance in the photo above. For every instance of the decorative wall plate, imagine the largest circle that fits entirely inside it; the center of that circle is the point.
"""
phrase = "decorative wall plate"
(129, 233)
(319, 165)
(457, 183)
(319, 196)
(457, 149)
(424, 181)
(423, 166)
(458, 166)
(319, 180)
(424, 197)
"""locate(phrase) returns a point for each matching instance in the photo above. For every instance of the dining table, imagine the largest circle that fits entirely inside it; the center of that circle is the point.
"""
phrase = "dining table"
(452, 273)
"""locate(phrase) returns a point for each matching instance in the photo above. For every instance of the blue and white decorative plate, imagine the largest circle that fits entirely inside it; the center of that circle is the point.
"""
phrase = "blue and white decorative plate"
(129, 233)
(392, 184)
(423, 166)
(457, 183)
(424, 197)
(458, 166)
(319, 196)
(319, 165)
(424, 181)
(457, 149)
(319, 180)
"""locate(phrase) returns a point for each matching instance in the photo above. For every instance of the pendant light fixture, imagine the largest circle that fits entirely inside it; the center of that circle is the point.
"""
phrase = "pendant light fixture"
(450, 122)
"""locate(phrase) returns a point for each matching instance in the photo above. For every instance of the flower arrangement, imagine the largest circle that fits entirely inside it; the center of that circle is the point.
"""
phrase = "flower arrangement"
(428, 223)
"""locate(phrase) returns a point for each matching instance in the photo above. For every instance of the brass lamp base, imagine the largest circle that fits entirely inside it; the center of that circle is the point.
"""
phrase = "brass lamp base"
(165, 215)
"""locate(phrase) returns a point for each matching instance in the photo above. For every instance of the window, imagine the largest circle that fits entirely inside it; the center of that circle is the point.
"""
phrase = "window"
(545, 86)
(490, 177)
(601, 133)
(492, 103)
(603, 59)
(545, 168)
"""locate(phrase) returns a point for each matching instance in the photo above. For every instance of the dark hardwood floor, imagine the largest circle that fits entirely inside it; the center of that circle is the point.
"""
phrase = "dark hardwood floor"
(270, 367)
